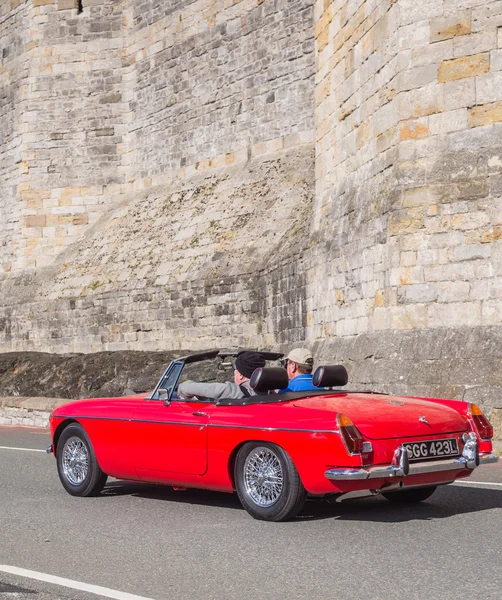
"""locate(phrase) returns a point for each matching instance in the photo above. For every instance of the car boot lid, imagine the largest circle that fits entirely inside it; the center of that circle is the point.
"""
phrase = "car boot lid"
(381, 417)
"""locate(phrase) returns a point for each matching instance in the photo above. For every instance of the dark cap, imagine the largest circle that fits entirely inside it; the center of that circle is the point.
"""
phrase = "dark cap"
(247, 362)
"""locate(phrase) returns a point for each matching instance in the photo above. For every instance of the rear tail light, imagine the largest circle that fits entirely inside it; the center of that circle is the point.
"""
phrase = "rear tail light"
(481, 423)
(352, 439)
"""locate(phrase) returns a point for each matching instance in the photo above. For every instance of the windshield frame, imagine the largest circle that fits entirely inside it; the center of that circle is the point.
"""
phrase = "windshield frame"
(175, 369)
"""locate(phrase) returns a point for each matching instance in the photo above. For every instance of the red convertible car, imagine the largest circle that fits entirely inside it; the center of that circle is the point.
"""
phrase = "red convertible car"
(274, 449)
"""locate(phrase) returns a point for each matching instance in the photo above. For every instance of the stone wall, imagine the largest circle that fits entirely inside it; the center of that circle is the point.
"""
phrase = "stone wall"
(13, 28)
(408, 194)
(168, 169)
(181, 266)
(68, 115)
(162, 189)
(128, 94)
(409, 164)
(216, 82)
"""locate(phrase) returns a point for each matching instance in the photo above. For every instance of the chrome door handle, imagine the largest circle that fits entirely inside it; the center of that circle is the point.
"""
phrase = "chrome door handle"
(199, 413)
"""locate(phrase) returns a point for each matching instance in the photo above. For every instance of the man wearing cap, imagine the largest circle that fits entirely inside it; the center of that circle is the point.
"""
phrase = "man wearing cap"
(299, 365)
(245, 364)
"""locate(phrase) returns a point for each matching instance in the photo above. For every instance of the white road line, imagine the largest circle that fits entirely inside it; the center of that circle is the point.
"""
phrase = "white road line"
(69, 583)
(477, 483)
(23, 449)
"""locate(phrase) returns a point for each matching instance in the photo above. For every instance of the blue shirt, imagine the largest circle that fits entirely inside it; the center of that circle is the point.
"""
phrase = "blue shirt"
(300, 383)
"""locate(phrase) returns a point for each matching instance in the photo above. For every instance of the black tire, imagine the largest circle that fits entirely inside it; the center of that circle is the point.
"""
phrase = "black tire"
(287, 498)
(85, 468)
(411, 495)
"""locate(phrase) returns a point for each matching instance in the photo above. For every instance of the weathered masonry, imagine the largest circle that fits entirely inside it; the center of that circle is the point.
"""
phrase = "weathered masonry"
(257, 172)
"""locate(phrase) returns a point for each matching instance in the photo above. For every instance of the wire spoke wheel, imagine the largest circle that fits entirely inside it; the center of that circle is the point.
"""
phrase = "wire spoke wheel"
(75, 460)
(263, 476)
(78, 468)
(267, 482)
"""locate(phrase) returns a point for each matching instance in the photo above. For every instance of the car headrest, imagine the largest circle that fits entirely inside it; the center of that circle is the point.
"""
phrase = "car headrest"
(330, 375)
(269, 378)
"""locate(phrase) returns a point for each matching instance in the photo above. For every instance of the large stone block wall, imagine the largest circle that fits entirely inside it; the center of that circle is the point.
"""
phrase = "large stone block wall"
(169, 170)
(166, 193)
(124, 95)
(406, 288)
(409, 165)
(65, 74)
(216, 82)
(13, 71)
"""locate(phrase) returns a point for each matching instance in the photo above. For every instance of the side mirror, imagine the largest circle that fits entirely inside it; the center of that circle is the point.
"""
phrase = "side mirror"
(164, 396)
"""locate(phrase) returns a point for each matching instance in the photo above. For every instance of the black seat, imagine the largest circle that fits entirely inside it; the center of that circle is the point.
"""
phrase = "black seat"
(269, 378)
(330, 375)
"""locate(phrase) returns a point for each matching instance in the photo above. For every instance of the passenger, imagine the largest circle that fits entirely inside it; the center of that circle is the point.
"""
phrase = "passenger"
(299, 366)
(245, 364)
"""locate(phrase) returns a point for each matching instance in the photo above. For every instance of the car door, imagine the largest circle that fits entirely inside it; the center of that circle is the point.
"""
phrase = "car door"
(170, 439)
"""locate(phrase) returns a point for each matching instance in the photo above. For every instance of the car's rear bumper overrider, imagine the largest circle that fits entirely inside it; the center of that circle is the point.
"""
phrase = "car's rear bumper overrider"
(400, 466)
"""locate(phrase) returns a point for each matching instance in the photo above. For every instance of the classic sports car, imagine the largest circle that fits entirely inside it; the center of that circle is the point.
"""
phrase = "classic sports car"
(274, 449)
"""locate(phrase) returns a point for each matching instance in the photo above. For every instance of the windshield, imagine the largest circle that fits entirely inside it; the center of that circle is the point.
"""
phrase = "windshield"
(214, 369)
(209, 370)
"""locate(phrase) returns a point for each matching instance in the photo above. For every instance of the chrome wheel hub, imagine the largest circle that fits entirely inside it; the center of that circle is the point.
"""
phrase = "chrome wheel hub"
(75, 460)
(263, 477)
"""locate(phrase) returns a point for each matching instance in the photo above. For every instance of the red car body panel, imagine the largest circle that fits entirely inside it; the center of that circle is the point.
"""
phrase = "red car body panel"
(169, 441)
(109, 426)
(193, 444)
(380, 417)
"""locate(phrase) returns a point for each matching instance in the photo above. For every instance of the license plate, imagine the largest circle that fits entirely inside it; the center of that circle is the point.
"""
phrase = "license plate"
(432, 449)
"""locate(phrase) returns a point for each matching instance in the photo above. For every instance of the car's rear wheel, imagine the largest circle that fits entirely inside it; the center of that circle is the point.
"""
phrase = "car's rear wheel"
(411, 495)
(267, 482)
(78, 468)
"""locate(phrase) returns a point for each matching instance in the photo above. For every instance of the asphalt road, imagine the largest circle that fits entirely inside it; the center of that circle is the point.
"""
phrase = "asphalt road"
(161, 544)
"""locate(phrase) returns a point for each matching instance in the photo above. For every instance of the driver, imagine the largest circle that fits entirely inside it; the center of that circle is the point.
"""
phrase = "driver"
(245, 364)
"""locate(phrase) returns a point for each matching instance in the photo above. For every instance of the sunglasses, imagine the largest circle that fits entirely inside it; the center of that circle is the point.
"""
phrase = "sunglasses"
(284, 363)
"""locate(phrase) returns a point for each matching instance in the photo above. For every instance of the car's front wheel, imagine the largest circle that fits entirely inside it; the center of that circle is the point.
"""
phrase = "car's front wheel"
(78, 468)
(267, 482)
(411, 495)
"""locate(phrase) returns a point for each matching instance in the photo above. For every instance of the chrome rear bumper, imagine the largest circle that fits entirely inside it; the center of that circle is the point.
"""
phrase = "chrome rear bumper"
(400, 466)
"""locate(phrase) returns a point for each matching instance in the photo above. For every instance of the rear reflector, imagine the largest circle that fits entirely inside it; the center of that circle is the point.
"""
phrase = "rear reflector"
(352, 439)
(481, 423)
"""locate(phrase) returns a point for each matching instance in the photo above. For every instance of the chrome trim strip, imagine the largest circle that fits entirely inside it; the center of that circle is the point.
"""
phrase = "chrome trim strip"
(132, 420)
(199, 424)
(485, 459)
(274, 428)
(88, 417)
(390, 471)
(350, 474)
(415, 469)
